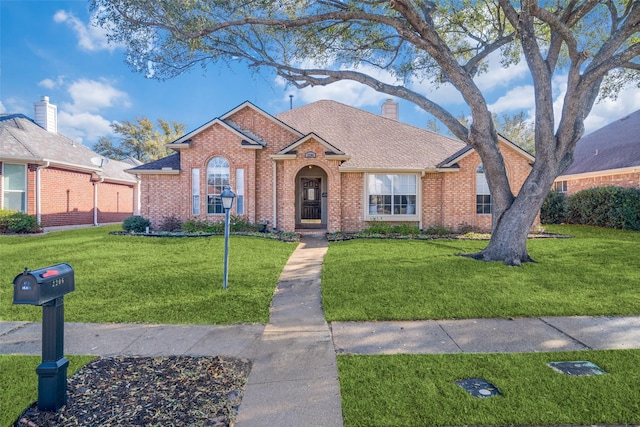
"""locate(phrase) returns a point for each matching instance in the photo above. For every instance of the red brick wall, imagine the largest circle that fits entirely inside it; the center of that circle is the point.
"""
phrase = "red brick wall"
(627, 180)
(115, 202)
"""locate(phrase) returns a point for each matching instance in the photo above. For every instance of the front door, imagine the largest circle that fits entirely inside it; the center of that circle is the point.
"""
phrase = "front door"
(311, 201)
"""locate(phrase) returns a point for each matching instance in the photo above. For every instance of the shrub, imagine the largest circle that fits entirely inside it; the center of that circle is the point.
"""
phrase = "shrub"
(198, 225)
(554, 209)
(18, 222)
(613, 207)
(240, 223)
(170, 223)
(438, 230)
(136, 224)
(378, 227)
(405, 229)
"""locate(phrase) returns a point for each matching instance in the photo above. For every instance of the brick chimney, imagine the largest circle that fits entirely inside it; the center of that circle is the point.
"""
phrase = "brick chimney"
(46, 115)
(390, 109)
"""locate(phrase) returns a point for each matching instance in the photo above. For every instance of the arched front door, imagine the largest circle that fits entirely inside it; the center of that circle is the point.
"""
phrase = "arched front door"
(311, 198)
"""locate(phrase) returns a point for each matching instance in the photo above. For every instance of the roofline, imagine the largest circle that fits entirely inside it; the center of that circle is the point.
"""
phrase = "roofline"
(180, 142)
(307, 137)
(153, 171)
(618, 171)
(262, 112)
(464, 152)
(378, 170)
(68, 166)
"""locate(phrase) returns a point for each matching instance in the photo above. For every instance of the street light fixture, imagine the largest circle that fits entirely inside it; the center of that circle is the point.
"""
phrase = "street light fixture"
(227, 197)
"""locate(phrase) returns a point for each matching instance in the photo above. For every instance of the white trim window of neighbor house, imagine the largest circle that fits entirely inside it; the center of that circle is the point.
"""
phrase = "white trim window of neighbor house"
(217, 178)
(195, 191)
(240, 191)
(392, 195)
(14, 185)
(483, 195)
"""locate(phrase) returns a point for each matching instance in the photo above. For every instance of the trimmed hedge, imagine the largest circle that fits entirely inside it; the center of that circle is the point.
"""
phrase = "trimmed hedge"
(18, 222)
(611, 207)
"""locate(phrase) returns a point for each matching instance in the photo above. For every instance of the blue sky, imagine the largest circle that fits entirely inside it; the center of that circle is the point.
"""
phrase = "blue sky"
(51, 48)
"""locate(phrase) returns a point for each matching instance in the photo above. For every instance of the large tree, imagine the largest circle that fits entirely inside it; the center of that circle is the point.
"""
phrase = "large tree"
(140, 140)
(587, 45)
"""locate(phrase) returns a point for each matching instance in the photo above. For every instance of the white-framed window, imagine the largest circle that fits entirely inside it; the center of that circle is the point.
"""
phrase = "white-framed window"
(14, 185)
(560, 186)
(483, 195)
(240, 191)
(392, 194)
(217, 178)
(195, 191)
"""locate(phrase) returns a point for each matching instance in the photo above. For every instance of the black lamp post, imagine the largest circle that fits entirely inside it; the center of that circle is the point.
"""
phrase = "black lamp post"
(227, 197)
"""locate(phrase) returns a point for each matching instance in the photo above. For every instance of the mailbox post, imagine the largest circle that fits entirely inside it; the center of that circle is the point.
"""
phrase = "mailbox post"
(46, 287)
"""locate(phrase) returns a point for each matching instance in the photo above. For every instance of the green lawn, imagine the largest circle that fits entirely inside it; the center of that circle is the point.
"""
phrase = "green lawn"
(20, 383)
(420, 390)
(594, 273)
(149, 280)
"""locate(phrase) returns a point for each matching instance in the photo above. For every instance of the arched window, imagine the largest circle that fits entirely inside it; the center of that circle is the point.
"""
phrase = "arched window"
(217, 178)
(483, 195)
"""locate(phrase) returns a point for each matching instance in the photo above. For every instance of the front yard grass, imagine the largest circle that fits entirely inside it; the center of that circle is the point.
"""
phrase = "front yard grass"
(594, 273)
(420, 390)
(149, 280)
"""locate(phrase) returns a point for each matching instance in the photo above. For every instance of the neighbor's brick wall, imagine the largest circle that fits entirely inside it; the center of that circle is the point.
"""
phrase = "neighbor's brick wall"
(627, 180)
(67, 197)
(115, 202)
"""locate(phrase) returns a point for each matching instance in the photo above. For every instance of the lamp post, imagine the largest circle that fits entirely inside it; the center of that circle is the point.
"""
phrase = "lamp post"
(227, 197)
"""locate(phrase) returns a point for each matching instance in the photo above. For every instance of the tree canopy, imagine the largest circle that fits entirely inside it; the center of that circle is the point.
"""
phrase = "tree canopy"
(583, 47)
(140, 140)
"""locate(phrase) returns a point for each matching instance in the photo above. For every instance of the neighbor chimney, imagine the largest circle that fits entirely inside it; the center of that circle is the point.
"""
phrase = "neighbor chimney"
(390, 109)
(46, 115)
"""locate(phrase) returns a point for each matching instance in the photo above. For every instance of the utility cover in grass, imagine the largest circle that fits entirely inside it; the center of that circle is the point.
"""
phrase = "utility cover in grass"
(579, 368)
(478, 387)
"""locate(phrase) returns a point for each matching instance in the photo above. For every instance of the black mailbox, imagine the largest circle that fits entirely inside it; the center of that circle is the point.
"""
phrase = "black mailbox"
(37, 287)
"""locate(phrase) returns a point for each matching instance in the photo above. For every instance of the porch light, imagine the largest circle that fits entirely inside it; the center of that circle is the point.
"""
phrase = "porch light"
(227, 197)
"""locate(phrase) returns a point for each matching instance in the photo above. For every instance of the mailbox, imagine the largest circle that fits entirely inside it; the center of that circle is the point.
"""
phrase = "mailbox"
(37, 287)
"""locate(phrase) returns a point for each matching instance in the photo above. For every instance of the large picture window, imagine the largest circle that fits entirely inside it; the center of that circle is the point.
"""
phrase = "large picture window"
(14, 184)
(392, 194)
(217, 178)
(483, 195)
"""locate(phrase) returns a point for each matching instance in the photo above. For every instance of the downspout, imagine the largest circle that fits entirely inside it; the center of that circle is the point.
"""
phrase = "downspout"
(95, 201)
(275, 196)
(39, 192)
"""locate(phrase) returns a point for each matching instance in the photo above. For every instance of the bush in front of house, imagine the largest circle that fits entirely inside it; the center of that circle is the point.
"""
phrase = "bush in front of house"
(136, 224)
(554, 209)
(198, 225)
(612, 207)
(170, 223)
(18, 222)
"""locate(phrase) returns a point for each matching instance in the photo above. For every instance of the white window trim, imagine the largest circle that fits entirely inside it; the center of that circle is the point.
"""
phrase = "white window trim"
(26, 186)
(391, 218)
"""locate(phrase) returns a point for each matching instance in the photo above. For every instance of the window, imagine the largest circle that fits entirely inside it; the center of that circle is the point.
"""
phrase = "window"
(483, 195)
(14, 183)
(217, 178)
(560, 186)
(240, 191)
(195, 191)
(392, 194)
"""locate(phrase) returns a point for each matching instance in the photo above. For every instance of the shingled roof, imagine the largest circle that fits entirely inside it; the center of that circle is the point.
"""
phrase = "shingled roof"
(373, 141)
(614, 146)
(21, 139)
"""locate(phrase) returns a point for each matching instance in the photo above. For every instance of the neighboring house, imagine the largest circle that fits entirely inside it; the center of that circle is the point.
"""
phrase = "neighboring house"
(323, 166)
(608, 156)
(58, 180)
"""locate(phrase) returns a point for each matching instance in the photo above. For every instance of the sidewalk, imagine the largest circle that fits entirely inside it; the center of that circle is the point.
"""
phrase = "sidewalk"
(294, 379)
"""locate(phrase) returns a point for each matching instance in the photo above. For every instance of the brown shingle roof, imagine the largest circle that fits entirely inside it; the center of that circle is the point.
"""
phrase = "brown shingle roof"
(614, 146)
(23, 140)
(372, 141)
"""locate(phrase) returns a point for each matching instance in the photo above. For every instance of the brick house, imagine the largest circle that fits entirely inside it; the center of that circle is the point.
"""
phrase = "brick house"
(324, 166)
(609, 156)
(56, 179)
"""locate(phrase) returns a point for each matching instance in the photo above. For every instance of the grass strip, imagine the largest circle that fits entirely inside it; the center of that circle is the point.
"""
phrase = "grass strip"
(149, 280)
(412, 390)
(593, 273)
(20, 383)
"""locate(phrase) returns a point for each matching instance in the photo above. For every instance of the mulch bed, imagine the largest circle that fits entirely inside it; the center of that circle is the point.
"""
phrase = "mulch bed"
(149, 391)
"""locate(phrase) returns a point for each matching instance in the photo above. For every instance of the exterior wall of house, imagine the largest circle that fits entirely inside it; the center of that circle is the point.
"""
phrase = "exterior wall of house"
(115, 202)
(577, 183)
(352, 196)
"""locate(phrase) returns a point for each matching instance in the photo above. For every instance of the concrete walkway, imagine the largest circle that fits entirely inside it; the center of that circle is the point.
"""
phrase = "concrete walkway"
(294, 379)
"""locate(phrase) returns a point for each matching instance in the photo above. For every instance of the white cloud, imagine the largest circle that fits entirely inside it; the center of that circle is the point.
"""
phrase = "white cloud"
(91, 37)
(51, 84)
(607, 111)
(83, 127)
(499, 76)
(516, 99)
(93, 95)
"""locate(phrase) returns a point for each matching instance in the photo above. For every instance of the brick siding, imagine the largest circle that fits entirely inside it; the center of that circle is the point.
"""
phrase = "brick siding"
(627, 180)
